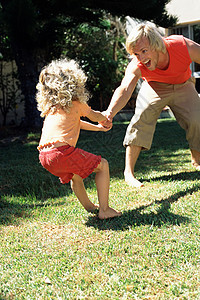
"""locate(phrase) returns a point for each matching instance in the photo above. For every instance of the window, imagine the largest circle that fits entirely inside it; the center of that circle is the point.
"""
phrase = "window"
(196, 34)
(183, 30)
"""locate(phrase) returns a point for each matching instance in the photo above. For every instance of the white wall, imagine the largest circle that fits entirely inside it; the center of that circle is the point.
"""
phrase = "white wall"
(187, 11)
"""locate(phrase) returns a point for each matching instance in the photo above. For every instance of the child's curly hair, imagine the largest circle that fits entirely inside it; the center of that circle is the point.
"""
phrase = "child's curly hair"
(60, 83)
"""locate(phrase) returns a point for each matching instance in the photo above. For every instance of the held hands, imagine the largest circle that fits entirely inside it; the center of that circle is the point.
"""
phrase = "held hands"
(96, 116)
(104, 127)
(106, 124)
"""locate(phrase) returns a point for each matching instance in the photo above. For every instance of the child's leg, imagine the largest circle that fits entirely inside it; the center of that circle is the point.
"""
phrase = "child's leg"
(102, 179)
(78, 188)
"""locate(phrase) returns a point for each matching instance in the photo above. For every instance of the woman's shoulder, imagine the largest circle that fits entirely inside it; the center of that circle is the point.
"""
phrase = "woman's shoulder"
(174, 40)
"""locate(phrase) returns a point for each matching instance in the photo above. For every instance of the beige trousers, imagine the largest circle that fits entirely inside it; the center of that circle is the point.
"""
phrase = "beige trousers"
(184, 102)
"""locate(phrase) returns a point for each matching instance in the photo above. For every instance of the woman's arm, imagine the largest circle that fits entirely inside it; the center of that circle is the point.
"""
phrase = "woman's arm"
(123, 93)
(96, 116)
(194, 50)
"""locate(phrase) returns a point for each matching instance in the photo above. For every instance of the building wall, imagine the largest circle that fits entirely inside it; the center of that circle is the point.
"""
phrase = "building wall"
(187, 11)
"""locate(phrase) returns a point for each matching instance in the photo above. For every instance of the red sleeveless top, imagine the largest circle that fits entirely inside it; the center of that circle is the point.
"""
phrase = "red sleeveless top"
(178, 70)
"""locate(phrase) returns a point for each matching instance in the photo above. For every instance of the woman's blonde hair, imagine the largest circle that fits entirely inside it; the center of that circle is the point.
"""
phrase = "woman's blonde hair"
(60, 83)
(150, 32)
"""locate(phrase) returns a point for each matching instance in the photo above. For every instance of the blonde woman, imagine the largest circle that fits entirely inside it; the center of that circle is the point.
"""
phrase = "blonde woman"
(164, 65)
(62, 99)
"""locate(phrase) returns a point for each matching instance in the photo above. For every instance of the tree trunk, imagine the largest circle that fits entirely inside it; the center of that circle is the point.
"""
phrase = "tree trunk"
(28, 76)
(27, 65)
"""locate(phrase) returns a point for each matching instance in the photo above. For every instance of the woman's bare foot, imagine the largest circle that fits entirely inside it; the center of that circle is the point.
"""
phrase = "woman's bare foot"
(132, 181)
(197, 167)
(93, 208)
(195, 159)
(108, 213)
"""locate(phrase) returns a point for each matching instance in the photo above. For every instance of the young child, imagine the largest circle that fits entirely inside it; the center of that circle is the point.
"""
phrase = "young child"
(62, 99)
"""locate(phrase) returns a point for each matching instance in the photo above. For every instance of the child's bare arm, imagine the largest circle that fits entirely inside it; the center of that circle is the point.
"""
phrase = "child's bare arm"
(93, 127)
(96, 116)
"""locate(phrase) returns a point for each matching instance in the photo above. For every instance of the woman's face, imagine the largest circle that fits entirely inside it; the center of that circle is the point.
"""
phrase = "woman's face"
(148, 57)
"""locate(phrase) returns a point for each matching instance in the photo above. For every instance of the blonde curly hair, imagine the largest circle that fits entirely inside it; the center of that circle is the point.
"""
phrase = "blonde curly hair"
(61, 82)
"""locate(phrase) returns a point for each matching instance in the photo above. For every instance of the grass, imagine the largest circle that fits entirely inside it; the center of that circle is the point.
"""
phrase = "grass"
(51, 248)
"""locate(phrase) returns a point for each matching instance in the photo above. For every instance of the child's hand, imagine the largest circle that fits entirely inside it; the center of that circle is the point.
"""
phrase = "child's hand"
(104, 127)
(107, 123)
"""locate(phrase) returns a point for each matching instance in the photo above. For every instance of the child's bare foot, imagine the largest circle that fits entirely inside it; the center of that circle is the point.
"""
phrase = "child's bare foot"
(132, 181)
(108, 213)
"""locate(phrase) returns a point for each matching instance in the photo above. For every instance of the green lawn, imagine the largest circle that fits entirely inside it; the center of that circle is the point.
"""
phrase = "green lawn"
(51, 248)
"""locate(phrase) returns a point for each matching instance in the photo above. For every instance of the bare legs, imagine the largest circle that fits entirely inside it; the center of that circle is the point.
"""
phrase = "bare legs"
(195, 159)
(102, 180)
(132, 153)
(78, 188)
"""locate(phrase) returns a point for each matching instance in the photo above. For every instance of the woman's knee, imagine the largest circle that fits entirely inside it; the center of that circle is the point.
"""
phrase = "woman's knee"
(195, 120)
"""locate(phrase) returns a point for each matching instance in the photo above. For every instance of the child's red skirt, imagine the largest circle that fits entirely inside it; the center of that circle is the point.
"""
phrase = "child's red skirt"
(65, 161)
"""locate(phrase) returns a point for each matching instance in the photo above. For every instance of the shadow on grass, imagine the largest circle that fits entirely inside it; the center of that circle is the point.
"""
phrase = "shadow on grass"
(138, 216)
(177, 177)
(10, 213)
